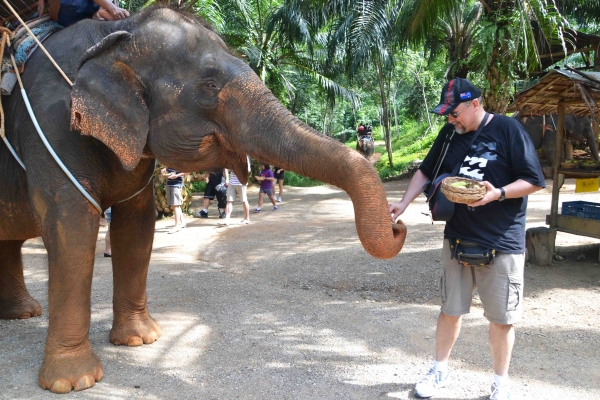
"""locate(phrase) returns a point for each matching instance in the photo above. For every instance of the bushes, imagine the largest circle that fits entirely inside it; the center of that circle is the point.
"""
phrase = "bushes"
(293, 179)
(414, 143)
(198, 186)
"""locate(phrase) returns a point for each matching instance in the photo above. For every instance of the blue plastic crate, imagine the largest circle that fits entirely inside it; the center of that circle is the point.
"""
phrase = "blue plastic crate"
(581, 209)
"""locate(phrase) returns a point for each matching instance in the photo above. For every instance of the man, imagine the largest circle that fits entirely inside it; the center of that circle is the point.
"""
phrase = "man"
(212, 179)
(174, 197)
(234, 189)
(68, 12)
(504, 159)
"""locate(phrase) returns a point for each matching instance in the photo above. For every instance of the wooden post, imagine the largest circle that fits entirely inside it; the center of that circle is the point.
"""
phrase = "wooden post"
(557, 159)
(540, 245)
(568, 150)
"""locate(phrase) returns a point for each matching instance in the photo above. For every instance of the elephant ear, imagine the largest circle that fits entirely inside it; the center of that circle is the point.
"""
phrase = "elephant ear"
(107, 100)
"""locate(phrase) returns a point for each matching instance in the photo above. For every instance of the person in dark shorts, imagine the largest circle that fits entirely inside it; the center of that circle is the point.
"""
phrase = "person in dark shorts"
(279, 175)
(266, 180)
(107, 248)
(213, 180)
(68, 12)
(489, 232)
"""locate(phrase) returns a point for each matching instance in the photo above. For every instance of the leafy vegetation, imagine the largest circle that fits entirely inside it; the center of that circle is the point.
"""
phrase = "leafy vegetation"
(293, 179)
(337, 63)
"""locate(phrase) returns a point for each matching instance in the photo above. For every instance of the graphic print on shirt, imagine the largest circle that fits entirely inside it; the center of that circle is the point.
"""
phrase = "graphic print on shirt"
(474, 166)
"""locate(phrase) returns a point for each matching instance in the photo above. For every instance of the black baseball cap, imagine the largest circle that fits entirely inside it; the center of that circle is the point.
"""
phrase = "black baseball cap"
(457, 91)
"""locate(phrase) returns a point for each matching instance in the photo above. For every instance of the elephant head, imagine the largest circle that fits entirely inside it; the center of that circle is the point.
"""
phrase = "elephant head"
(165, 86)
(366, 147)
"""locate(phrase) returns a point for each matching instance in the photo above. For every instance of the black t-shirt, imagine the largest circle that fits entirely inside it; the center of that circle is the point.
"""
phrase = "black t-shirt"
(214, 178)
(501, 154)
(177, 182)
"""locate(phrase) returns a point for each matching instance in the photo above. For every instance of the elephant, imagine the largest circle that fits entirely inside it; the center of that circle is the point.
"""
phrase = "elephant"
(542, 130)
(365, 146)
(158, 86)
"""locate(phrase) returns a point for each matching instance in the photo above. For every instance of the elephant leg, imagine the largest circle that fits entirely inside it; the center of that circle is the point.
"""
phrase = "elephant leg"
(69, 231)
(592, 141)
(132, 234)
(15, 301)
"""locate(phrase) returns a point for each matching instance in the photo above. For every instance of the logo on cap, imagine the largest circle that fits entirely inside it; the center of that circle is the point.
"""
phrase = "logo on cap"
(466, 95)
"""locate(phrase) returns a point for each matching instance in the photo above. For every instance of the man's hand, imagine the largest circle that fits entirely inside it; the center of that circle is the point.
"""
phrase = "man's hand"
(396, 210)
(492, 193)
(118, 13)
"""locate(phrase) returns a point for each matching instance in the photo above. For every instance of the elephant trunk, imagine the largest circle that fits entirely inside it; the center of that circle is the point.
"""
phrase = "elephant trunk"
(277, 137)
(593, 143)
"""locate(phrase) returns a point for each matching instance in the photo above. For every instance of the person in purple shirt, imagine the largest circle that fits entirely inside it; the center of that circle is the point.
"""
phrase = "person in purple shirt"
(266, 180)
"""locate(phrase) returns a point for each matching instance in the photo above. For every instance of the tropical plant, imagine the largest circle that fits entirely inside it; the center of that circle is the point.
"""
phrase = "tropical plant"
(510, 39)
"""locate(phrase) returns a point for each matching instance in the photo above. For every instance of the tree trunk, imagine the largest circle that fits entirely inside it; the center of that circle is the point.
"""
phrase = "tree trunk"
(385, 120)
(395, 113)
(497, 95)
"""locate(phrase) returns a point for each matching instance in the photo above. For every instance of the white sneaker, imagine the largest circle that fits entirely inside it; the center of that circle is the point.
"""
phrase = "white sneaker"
(279, 199)
(176, 228)
(430, 383)
(223, 223)
(500, 392)
(244, 222)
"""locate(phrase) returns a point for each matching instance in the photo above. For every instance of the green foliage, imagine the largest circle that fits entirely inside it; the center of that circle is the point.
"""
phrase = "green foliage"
(293, 179)
(414, 144)
(198, 187)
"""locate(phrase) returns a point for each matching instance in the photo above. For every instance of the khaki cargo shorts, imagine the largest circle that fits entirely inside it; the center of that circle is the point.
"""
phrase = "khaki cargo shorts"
(500, 287)
(234, 190)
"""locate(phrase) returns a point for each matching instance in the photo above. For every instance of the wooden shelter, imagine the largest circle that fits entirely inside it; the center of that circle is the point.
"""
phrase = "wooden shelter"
(575, 42)
(578, 92)
(27, 9)
(562, 92)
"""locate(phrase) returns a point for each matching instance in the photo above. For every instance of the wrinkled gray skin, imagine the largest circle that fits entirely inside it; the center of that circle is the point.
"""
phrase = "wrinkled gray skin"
(156, 86)
(365, 147)
(577, 129)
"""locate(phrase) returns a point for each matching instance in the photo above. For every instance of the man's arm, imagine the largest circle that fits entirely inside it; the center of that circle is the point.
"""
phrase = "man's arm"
(414, 189)
(116, 12)
(515, 190)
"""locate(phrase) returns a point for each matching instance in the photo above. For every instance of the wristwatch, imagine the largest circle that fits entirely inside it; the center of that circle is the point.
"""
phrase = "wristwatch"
(502, 194)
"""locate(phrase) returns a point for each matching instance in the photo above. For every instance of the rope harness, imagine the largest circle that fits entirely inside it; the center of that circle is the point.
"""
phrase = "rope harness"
(6, 37)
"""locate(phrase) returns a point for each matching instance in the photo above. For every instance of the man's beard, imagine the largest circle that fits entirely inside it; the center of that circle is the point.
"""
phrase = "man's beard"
(460, 129)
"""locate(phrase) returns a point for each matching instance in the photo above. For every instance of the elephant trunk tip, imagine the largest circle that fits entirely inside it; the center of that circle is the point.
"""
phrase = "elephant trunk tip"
(392, 246)
(399, 230)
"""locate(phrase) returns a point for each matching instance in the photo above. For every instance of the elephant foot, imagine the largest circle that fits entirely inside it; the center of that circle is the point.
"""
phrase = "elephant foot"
(135, 331)
(23, 308)
(62, 373)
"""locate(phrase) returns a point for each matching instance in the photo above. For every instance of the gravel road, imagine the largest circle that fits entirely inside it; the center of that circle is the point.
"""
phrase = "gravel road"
(291, 307)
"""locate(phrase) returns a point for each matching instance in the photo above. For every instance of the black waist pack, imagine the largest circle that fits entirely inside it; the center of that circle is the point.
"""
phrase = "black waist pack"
(440, 207)
(470, 254)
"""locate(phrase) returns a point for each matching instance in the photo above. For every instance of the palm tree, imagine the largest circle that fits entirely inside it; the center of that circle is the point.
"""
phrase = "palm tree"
(505, 45)
(254, 28)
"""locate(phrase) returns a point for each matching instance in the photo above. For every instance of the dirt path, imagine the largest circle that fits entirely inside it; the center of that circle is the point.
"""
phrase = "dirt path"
(291, 307)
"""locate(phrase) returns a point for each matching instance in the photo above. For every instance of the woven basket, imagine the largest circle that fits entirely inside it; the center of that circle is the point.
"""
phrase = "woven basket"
(568, 165)
(468, 194)
(588, 165)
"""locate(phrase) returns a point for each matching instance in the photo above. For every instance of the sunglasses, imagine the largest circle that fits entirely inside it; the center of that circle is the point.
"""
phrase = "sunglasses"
(455, 114)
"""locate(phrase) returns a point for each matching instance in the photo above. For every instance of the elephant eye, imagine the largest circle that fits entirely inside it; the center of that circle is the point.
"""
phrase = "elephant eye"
(211, 84)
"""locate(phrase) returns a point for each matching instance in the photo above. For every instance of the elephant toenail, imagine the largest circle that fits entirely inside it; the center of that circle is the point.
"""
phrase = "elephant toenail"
(85, 382)
(152, 337)
(61, 386)
(135, 341)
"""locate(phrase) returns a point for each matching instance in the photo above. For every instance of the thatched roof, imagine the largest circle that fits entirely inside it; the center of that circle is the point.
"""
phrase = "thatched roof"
(575, 42)
(578, 91)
